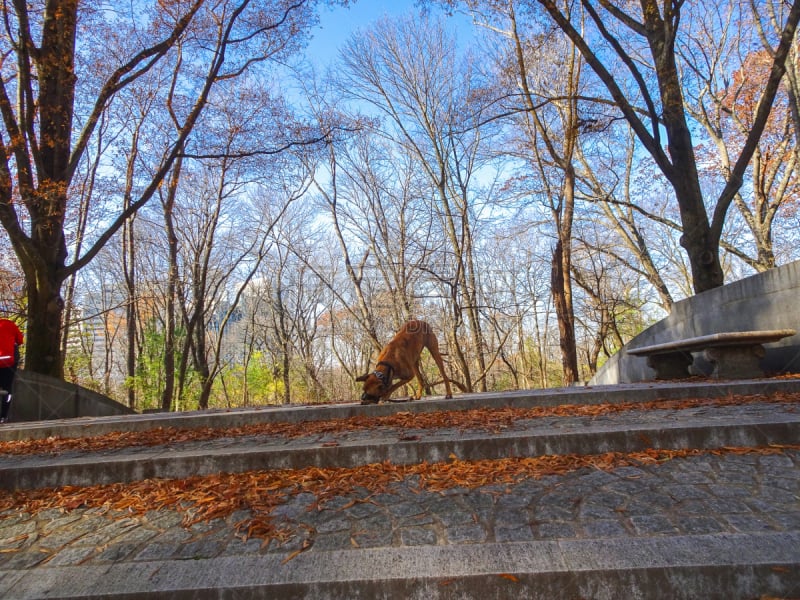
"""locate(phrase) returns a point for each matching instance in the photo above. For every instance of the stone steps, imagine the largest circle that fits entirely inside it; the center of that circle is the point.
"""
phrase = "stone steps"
(708, 567)
(720, 524)
(628, 393)
(620, 434)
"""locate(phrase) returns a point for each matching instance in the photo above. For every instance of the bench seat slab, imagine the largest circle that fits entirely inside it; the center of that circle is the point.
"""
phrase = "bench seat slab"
(728, 338)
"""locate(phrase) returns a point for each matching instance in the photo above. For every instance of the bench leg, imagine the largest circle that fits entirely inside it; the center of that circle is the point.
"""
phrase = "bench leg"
(736, 362)
(674, 365)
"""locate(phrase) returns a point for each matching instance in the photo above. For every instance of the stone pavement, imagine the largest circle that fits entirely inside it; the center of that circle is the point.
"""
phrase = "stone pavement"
(722, 521)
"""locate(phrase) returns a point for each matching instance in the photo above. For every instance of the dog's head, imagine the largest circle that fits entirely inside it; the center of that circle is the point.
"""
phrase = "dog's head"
(375, 386)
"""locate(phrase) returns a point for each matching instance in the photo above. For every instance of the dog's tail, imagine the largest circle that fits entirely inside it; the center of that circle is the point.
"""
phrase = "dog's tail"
(458, 384)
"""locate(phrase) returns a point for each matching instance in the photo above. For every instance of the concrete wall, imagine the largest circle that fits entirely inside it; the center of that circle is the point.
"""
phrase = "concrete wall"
(768, 300)
(38, 397)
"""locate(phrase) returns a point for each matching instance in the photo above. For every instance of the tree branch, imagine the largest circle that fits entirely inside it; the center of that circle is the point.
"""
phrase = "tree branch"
(125, 75)
(648, 140)
(762, 114)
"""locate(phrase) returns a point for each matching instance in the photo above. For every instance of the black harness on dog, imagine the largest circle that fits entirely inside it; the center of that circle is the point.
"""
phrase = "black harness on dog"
(384, 377)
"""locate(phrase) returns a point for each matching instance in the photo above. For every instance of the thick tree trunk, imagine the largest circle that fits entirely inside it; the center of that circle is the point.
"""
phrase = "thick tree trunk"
(44, 271)
(42, 261)
(701, 247)
(43, 334)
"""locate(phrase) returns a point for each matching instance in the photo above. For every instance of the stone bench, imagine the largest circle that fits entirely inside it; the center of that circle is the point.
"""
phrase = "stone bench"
(734, 354)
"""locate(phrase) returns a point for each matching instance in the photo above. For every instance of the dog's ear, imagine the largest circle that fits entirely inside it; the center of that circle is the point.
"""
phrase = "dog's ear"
(362, 377)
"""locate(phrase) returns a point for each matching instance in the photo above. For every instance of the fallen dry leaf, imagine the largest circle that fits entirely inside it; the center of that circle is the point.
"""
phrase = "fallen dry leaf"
(306, 545)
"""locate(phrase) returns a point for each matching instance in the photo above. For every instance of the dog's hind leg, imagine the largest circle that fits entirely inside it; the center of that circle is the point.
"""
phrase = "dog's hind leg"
(420, 381)
(433, 347)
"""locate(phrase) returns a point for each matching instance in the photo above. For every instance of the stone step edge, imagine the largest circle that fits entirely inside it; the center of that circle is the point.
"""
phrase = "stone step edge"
(699, 566)
(174, 464)
(643, 392)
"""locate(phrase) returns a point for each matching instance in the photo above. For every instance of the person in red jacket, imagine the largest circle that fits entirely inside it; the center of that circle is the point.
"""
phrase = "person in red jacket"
(10, 341)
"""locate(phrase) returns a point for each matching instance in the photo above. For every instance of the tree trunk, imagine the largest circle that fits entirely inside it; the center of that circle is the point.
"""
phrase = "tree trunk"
(169, 331)
(702, 250)
(562, 299)
(168, 392)
(287, 380)
(45, 308)
(562, 207)
(283, 335)
(131, 311)
(204, 373)
(44, 266)
(701, 247)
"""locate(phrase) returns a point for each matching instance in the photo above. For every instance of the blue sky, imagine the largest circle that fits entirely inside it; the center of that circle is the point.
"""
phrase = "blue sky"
(337, 24)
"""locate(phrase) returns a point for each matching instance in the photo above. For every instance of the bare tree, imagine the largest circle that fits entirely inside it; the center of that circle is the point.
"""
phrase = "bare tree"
(326, 183)
(42, 147)
(643, 41)
(730, 77)
(551, 123)
(409, 72)
(610, 181)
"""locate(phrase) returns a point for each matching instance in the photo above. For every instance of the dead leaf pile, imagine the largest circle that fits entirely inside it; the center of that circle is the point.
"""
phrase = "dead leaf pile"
(484, 419)
(259, 492)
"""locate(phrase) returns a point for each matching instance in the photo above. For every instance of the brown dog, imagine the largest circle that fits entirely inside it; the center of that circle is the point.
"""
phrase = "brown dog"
(399, 360)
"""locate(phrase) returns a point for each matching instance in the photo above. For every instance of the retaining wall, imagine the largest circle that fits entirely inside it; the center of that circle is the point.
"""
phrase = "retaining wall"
(768, 300)
(38, 397)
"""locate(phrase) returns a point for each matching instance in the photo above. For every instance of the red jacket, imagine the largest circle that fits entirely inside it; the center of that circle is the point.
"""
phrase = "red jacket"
(10, 338)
